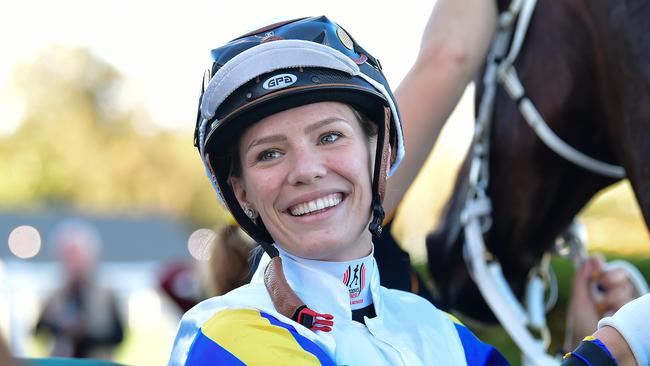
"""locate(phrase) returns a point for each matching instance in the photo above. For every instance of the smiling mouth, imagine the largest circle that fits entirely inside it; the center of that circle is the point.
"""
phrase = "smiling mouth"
(316, 205)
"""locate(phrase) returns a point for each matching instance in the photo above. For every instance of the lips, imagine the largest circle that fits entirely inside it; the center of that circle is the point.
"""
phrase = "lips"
(315, 205)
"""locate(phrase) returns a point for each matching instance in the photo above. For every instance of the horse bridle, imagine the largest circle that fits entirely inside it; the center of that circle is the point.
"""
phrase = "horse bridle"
(476, 216)
(501, 69)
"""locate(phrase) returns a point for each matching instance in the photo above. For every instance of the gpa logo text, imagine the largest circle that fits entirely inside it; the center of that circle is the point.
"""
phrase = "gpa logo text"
(279, 81)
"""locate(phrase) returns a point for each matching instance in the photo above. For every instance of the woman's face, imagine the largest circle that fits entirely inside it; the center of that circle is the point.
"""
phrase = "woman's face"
(307, 171)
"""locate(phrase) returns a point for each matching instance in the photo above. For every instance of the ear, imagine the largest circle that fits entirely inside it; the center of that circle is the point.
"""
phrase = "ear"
(239, 189)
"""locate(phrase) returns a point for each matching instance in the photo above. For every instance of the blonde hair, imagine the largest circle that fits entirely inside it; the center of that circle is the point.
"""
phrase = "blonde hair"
(228, 266)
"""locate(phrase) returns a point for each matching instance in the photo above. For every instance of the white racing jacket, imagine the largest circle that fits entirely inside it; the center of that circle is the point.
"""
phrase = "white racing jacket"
(243, 328)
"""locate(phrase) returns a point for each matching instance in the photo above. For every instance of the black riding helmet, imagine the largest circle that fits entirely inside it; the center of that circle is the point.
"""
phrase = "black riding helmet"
(282, 66)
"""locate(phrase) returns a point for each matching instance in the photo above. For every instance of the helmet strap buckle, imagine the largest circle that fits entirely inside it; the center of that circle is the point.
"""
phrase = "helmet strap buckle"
(375, 226)
(313, 320)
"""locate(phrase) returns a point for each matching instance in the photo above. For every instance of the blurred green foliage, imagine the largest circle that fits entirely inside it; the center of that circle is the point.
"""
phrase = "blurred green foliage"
(82, 144)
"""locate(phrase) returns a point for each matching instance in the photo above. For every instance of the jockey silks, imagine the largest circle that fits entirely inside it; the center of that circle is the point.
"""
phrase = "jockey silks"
(244, 328)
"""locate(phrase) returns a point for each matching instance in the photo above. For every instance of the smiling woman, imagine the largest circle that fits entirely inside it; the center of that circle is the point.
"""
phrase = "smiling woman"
(307, 173)
(298, 131)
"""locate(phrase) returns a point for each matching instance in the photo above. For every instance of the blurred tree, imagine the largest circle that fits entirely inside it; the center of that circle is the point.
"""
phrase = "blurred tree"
(81, 144)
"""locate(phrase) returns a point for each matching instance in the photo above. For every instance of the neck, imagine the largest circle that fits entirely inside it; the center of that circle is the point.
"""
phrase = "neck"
(357, 250)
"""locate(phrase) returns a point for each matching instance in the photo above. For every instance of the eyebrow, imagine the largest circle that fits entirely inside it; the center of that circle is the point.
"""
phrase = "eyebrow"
(322, 123)
(265, 140)
(312, 127)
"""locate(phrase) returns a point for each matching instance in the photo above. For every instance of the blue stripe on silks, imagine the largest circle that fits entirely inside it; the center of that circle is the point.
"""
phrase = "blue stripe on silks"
(205, 351)
(305, 343)
(478, 353)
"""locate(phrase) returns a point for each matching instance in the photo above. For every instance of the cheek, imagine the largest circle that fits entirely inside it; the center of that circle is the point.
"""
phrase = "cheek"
(344, 165)
(353, 165)
(262, 185)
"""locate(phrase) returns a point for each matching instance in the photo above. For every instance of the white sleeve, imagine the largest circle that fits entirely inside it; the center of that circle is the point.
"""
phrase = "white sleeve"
(632, 321)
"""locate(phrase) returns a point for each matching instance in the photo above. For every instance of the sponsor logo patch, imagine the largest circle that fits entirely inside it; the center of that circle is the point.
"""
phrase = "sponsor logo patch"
(355, 280)
(279, 81)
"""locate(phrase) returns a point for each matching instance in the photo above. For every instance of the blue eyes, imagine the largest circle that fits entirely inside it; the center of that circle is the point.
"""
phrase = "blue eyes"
(330, 137)
(268, 155)
(324, 139)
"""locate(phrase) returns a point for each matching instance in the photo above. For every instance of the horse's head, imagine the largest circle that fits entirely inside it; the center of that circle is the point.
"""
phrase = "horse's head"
(535, 193)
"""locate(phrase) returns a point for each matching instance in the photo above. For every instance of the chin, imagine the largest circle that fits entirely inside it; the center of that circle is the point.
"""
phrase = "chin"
(319, 250)
(329, 243)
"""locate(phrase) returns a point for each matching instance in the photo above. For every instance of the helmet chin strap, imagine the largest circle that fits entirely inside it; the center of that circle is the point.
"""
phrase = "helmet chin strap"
(382, 158)
(269, 248)
(375, 225)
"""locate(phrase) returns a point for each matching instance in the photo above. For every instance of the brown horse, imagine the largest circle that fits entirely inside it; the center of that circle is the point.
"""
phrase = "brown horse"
(586, 66)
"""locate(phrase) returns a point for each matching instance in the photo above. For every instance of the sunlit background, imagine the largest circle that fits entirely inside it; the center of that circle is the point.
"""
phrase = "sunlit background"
(97, 108)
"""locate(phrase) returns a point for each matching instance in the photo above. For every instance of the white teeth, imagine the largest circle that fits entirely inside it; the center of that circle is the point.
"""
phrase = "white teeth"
(321, 203)
(315, 205)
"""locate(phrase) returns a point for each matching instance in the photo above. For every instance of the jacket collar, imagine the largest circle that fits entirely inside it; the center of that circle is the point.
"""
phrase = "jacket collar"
(319, 289)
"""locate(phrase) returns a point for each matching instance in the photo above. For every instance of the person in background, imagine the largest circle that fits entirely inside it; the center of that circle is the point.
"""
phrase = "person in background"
(229, 264)
(6, 358)
(179, 282)
(188, 282)
(81, 316)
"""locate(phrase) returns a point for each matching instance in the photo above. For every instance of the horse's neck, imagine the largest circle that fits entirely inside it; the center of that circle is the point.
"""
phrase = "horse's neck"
(619, 34)
(622, 31)
(536, 193)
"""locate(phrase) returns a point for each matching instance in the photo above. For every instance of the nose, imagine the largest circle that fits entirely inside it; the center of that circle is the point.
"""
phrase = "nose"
(308, 166)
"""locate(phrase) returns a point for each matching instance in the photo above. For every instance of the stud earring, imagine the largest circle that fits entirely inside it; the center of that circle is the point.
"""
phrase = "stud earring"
(250, 212)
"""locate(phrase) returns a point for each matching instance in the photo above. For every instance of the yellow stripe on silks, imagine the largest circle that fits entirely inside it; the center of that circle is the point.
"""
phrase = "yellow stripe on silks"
(254, 340)
(454, 319)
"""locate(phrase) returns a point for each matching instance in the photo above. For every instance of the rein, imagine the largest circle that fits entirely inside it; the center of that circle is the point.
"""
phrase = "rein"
(526, 325)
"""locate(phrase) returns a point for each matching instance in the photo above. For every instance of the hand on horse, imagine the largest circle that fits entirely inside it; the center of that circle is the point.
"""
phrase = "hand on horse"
(587, 306)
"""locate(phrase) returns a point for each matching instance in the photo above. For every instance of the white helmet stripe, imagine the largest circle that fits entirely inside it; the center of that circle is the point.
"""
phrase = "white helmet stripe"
(268, 57)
